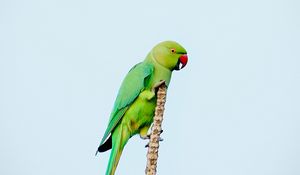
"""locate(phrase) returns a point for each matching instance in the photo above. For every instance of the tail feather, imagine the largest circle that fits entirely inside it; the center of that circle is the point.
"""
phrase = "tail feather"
(120, 137)
(105, 146)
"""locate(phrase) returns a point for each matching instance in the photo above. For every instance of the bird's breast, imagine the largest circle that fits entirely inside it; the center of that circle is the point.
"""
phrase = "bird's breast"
(140, 113)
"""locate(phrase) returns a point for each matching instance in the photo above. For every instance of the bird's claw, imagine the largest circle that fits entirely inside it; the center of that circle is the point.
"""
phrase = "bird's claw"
(145, 137)
(159, 139)
(148, 137)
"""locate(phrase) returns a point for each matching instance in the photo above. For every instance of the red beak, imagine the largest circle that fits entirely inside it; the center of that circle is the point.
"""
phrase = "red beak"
(183, 60)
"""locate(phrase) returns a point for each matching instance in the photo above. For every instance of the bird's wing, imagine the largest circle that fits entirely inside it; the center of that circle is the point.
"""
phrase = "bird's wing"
(134, 82)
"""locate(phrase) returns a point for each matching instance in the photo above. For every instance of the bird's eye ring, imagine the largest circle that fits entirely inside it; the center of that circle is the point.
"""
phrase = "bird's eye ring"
(173, 50)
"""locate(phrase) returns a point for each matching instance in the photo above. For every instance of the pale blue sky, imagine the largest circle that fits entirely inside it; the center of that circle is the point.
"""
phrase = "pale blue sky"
(234, 110)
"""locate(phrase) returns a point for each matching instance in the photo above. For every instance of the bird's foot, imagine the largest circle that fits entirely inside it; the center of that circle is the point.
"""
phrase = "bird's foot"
(159, 139)
(145, 137)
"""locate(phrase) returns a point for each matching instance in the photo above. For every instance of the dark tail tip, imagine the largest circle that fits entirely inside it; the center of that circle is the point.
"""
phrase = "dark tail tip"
(105, 146)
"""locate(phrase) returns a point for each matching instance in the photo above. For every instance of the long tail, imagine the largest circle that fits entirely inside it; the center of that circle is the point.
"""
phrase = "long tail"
(120, 137)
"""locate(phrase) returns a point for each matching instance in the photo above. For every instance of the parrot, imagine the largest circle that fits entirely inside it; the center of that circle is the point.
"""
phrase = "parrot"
(134, 107)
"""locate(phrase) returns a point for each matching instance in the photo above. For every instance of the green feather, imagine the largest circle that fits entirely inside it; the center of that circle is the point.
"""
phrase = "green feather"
(134, 107)
(131, 87)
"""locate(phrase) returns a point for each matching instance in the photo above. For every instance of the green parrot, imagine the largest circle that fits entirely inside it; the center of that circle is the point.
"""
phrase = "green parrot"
(134, 107)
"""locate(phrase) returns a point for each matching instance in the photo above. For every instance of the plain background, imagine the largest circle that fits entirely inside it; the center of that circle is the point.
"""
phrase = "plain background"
(234, 110)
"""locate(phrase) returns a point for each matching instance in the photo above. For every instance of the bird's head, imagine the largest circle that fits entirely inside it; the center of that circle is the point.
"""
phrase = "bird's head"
(170, 55)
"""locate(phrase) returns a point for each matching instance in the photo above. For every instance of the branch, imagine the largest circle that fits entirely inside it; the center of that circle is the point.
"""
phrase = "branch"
(156, 130)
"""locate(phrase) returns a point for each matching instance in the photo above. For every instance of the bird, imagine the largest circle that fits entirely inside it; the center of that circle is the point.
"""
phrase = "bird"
(134, 107)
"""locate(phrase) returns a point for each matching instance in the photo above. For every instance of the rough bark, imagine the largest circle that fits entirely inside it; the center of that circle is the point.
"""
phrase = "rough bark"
(156, 130)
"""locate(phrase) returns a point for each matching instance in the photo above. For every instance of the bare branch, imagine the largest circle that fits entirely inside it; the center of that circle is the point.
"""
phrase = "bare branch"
(156, 130)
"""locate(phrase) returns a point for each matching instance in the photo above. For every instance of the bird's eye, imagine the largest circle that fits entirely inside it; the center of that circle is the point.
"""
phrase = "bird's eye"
(173, 50)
